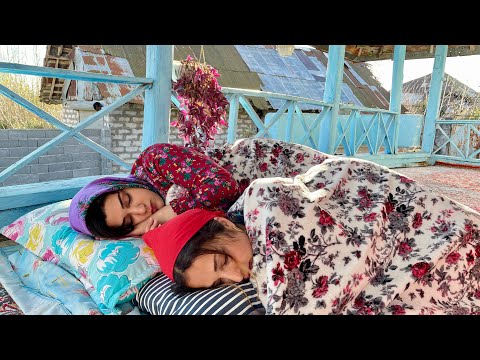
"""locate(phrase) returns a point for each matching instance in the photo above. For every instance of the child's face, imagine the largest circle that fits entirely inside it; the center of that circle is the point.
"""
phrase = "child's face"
(131, 206)
(211, 270)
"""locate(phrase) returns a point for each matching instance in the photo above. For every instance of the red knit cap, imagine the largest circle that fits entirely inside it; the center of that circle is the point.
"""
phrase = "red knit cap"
(169, 239)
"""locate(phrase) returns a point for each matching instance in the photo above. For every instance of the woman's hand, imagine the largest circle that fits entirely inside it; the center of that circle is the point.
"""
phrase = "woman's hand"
(158, 218)
(164, 214)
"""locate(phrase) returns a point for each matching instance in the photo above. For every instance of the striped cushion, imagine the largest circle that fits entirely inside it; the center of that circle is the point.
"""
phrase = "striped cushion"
(157, 298)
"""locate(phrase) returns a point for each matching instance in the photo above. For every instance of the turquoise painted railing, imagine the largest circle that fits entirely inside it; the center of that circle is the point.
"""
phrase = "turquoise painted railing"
(68, 132)
(360, 131)
(373, 128)
(290, 108)
(463, 138)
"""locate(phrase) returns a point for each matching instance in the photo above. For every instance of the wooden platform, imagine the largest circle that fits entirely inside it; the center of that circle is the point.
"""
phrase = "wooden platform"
(459, 183)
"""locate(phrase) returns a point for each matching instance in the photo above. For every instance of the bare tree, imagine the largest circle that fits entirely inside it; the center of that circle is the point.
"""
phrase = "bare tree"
(12, 115)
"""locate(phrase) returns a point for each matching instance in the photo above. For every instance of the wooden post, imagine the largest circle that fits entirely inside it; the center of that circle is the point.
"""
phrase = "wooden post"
(232, 119)
(434, 98)
(333, 91)
(396, 92)
(156, 118)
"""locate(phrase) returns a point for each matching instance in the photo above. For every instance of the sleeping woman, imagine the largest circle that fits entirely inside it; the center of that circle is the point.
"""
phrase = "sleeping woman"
(115, 207)
(347, 236)
(168, 179)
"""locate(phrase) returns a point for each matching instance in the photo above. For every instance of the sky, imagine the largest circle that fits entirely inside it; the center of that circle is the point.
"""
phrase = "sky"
(464, 68)
(23, 54)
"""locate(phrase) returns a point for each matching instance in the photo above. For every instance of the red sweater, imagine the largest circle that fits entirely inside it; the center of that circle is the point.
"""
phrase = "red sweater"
(209, 185)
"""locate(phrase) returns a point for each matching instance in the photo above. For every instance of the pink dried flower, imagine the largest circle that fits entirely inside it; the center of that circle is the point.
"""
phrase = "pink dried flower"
(202, 101)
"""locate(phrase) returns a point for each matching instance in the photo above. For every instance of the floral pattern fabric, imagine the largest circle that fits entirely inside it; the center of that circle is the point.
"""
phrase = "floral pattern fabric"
(254, 158)
(206, 184)
(348, 236)
(111, 271)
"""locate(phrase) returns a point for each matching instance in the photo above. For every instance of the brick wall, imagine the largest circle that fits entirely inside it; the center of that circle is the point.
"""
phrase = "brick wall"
(126, 125)
(70, 117)
(67, 160)
(122, 134)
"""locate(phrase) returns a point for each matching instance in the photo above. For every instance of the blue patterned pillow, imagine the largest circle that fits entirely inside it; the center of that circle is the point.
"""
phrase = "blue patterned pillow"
(112, 271)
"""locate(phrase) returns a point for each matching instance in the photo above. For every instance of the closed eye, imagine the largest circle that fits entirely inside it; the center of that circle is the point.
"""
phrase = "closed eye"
(225, 261)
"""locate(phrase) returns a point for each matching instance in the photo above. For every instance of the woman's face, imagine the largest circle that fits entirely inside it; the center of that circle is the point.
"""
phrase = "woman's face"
(131, 206)
(211, 270)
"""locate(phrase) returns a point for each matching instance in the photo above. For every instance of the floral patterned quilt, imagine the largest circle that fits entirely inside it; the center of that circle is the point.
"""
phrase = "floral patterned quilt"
(349, 236)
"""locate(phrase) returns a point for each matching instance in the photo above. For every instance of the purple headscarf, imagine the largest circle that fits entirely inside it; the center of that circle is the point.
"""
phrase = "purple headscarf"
(82, 200)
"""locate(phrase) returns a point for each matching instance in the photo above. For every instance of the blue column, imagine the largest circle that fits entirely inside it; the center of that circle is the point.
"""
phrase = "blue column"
(434, 98)
(232, 119)
(156, 118)
(333, 91)
(396, 93)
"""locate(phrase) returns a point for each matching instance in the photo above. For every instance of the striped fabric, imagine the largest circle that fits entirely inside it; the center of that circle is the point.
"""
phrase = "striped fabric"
(157, 298)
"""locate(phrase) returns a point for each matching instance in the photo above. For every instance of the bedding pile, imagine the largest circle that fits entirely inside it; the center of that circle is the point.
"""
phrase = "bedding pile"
(353, 237)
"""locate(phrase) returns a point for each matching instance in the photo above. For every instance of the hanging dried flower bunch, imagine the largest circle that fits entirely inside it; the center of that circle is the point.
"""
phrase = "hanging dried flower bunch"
(202, 102)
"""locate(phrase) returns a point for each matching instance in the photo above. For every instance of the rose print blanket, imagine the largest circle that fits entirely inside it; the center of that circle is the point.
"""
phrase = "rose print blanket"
(352, 237)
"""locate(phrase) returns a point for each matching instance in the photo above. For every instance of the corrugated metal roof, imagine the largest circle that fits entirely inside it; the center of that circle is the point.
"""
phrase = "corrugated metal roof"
(91, 58)
(257, 67)
(303, 74)
(450, 84)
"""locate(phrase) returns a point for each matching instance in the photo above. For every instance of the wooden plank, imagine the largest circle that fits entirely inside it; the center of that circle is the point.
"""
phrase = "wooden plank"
(70, 74)
(267, 94)
(290, 117)
(318, 120)
(156, 116)
(64, 136)
(18, 200)
(52, 88)
(305, 128)
(232, 119)
(434, 98)
(332, 93)
(57, 123)
(251, 112)
(17, 196)
(397, 89)
(275, 118)
(343, 136)
(396, 160)
(455, 160)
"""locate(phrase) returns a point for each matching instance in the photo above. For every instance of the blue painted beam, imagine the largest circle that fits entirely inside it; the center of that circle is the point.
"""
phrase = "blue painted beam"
(175, 101)
(232, 119)
(52, 120)
(251, 112)
(308, 132)
(64, 136)
(434, 98)
(290, 118)
(396, 160)
(13, 68)
(320, 119)
(333, 91)
(156, 116)
(456, 160)
(364, 109)
(396, 92)
(274, 119)
(267, 94)
(17, 200)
